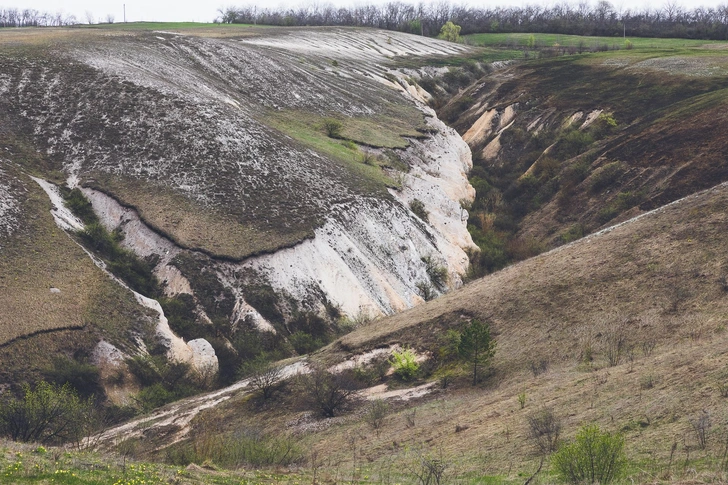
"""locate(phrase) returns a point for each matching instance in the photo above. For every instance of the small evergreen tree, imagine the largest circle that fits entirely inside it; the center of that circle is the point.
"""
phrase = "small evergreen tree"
(476, 346)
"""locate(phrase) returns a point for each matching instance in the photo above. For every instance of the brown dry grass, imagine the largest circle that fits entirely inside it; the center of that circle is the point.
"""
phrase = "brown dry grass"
(191, 225)
(90, 306)
(660, 273)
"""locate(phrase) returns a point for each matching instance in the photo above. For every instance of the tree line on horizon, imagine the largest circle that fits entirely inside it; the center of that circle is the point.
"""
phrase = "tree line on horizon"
(583, 18)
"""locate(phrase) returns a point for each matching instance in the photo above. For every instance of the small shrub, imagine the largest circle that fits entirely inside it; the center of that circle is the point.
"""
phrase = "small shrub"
(538, 366)
(264, 376)
(438, 274)
(405, 364)
(544, 428)
(614, 341)
(522, 400)
(647, 382)
(418, 208)
(701, 425)
(376, 415)
(648, 346)
(326, 392)
(368, 158)
(593, 457)
(426, 291)
(80, 206)
(333, 127)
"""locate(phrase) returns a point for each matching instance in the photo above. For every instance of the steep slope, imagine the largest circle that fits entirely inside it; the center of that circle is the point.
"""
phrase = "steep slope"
(54, 300)
(566, 145)
(206, 155)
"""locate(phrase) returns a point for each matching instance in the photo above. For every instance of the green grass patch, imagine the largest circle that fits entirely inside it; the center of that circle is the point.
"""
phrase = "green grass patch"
(308, 130)
(483, 55)
(551, 40)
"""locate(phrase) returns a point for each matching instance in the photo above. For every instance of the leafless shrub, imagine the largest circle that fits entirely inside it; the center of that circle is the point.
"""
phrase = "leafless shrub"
(648, 346)
(327, 392)
(430, 470)
(701, 425)
(544, 429)
(538, 366)
(376, 415)
(264, 377)
(613, 342)
(587, 342)
(410, 418)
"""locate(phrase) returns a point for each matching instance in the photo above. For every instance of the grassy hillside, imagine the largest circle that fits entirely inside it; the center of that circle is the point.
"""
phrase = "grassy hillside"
(83, 307)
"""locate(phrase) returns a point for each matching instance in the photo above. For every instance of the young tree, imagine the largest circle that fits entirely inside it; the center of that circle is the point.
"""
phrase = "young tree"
(593, 457)
(450, 32)
(477, 346)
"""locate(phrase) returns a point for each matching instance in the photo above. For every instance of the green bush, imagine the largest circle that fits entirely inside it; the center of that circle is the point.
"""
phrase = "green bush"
(47, 414)
(438, 274)
(82, 376)
(605, 176)
(405, 364)
(133, 270)
(333, 127)
(476, 346)
(305, 343)
(80, 206)
(593, 457)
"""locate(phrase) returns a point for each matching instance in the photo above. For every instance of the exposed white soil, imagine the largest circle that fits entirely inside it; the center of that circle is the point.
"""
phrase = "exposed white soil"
(697, 66)
(364, 359)
(200, 356)
(61, 214)
(366, 257)
(591, 118)
(9, 206)
(176, 417)
(382, 392)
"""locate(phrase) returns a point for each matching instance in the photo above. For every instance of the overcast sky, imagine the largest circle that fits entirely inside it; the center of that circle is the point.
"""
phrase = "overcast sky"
(206, 10)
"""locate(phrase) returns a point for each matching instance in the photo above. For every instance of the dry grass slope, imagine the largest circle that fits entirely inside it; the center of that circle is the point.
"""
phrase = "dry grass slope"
(39, 256)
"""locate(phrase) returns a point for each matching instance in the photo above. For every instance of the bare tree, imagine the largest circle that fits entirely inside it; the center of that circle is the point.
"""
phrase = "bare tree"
(327, 392)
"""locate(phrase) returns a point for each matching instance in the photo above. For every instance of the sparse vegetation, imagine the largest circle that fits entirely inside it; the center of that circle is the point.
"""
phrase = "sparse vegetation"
(544, 429)
(418, 208)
